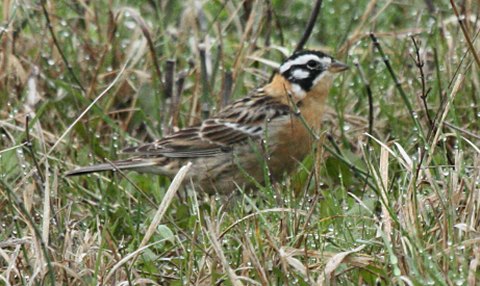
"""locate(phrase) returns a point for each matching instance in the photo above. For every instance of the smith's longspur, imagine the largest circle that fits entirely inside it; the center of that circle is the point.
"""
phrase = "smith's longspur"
(277, 118)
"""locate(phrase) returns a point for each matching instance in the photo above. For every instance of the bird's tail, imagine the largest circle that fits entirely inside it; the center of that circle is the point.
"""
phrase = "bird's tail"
(128, 164)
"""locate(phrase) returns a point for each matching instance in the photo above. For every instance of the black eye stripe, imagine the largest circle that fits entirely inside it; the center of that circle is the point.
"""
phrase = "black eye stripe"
(304, 68)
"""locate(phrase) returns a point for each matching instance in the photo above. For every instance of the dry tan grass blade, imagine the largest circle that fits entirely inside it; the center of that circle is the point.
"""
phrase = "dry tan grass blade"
(169, 195)
(333, 264)
(212, 234)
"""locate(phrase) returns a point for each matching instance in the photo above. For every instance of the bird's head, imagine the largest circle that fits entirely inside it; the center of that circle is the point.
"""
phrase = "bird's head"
(309, 70)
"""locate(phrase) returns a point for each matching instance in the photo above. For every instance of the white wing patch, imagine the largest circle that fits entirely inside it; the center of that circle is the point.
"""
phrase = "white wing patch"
(247, 129)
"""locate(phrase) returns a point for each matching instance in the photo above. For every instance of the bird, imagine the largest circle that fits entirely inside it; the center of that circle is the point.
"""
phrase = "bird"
(268, 132)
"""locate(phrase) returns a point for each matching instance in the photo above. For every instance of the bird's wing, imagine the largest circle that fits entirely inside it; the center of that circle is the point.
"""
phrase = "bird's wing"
(238, 123)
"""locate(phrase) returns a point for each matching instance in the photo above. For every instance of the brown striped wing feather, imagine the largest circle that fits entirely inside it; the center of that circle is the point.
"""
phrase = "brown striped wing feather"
(237, 124)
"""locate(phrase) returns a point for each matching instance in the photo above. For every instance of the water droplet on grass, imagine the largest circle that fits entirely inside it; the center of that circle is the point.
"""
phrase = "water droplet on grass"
(130, 24)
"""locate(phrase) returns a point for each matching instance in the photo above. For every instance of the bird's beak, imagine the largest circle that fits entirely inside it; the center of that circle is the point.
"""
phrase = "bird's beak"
(336, 67)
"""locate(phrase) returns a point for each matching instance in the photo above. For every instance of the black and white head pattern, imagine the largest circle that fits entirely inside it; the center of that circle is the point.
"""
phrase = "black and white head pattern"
(304, 69)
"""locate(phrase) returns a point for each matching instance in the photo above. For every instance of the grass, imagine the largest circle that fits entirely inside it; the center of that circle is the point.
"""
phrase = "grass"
(393, 196)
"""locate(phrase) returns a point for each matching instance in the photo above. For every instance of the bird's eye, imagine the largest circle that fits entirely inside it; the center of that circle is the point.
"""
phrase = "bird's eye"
(313, 64)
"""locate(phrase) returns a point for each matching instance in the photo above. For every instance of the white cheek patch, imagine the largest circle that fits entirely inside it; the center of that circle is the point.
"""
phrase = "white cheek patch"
(298, 92)
(300, 74)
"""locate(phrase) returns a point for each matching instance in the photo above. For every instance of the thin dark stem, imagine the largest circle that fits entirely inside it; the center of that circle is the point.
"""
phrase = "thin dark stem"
(360, 174)
(137, 188)
(334, 144)
(227, 88)
(425, 91)
(169, 94)
(269, 22)
(151, 47)
(465, 33)
(438, 73)
(460, 64)
(462, 130)
(443, 95)
(57, 45)
(430, 6)
(205, 88)
(217, 61)
(278, 27)
(311, 23)
(40, 178)
(368, 90)
(398, 85)
(175, 104)
(29, 145)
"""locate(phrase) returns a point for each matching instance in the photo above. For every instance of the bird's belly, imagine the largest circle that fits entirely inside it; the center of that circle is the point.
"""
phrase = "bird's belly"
(222, 174)
(293, 144)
